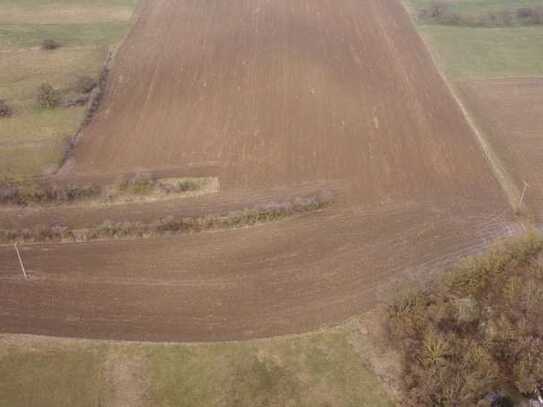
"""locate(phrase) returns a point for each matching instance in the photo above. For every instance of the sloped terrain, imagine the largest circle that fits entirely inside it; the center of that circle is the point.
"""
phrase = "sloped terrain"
(268, 96)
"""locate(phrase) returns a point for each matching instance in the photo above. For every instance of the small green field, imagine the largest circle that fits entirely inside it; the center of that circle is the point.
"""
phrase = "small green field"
(465, 52)
(481, 53)
(33, 139)
(319, 369)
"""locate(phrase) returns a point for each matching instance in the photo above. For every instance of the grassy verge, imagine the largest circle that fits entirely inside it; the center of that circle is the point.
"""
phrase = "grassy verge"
(317, 370)
(32, 141)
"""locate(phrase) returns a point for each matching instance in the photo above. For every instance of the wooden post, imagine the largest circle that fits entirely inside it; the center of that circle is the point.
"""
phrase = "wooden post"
(522, 196)
(21, 262)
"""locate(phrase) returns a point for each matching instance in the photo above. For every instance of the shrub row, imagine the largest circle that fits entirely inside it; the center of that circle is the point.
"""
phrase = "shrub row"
(143, 184)
(27, 193)
(94, 99)
(476, 334)
(43, 193)
(440, 13)
(164, 226)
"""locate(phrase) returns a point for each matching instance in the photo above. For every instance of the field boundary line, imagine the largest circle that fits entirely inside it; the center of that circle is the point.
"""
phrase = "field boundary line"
(503, 177)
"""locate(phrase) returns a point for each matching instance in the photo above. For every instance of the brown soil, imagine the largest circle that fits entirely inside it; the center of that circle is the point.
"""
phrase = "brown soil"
(272, 97)
(511, 113)
(262, 281)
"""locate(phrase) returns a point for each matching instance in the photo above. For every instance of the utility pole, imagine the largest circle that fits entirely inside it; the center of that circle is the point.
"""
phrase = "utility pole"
(21, 261)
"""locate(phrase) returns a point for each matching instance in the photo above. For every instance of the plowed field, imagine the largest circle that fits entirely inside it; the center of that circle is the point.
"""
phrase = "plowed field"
(511, 113)
(268, 96)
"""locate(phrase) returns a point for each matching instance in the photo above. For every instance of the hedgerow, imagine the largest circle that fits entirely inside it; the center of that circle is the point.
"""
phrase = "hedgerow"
(166, 225)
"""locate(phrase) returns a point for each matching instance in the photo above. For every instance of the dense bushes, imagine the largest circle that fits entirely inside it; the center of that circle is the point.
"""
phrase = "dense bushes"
(439, 12)
(476, 333)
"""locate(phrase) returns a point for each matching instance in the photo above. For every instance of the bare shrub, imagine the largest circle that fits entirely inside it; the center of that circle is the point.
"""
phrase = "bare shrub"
(85, 84)
(50, 44)
(525, 12)
(140, 184)
(48, 97)
(5, 109)
(438, 10)
(187, 185)
(530, 15)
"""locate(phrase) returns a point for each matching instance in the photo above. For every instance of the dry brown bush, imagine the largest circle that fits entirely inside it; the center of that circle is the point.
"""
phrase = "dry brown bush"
(476, 332)
(85, 84)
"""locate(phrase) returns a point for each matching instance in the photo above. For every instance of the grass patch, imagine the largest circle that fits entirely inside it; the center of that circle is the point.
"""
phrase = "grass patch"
(479, 53)
(52, 377)
(32, 141)
(320, 369)
(314, 370)
(69, 35)
(23, 71)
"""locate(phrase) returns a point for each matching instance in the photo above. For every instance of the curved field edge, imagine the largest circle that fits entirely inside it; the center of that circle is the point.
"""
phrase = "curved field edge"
(316, 369)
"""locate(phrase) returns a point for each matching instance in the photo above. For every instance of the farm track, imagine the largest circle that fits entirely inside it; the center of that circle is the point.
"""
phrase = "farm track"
(276, 99)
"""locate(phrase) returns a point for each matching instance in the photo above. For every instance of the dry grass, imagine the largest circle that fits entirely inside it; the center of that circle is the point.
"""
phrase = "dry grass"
(32, 142)
(74, 13)
(321, 369)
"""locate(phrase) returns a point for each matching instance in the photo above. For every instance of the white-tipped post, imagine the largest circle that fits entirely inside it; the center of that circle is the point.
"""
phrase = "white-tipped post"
(21, 262)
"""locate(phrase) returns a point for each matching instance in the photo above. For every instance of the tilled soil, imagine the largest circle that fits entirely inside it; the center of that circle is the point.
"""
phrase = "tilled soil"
(511, 113)
(272, 97)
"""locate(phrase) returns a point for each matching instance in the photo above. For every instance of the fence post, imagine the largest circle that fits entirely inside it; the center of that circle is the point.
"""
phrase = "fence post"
(21, 262)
